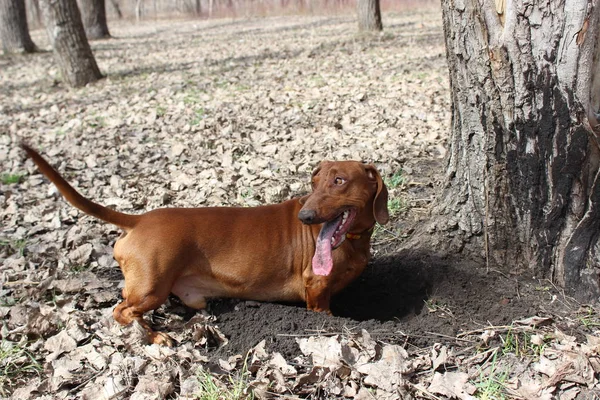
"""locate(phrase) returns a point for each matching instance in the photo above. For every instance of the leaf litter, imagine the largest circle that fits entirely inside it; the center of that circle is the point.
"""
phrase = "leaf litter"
(238, 112)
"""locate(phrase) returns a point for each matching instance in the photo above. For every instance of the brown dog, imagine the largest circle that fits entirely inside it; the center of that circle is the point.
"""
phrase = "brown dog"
(293, 251)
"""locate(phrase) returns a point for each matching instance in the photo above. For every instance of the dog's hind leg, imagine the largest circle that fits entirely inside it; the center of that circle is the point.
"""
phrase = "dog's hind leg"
(130, 310)
(140, 296)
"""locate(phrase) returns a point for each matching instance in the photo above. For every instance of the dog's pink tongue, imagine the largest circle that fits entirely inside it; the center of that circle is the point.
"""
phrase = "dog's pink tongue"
(322, 262)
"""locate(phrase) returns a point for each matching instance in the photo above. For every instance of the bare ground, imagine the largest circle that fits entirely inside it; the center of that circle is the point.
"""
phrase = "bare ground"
(238, 112)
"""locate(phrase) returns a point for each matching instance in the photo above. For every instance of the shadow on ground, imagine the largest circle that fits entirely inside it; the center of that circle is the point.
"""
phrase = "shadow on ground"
(400, 298)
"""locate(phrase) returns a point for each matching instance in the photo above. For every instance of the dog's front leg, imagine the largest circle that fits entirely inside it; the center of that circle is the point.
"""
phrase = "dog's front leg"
(317, 293)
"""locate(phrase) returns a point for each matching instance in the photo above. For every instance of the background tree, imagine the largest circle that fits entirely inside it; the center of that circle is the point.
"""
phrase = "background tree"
(369, 15)
(34, 15)
(523, 175)
(139, 9)
(13, 27)
(117, 8)
(93, 15)
(71, 48)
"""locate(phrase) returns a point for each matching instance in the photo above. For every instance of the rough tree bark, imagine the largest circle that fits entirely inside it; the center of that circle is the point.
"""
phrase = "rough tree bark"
(523, 173)
(13, 27)
(71, 48)
(93, 15)
(369, 15)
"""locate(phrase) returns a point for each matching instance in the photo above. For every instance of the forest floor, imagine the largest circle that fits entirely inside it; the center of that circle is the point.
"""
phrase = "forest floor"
(239, 112)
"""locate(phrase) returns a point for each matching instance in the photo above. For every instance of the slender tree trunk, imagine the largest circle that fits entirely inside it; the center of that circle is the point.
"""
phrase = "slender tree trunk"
(117, 7)
(71, 48)
(34, 12)
(93, 15)
(197, 7)
(523, 175)
(13, 27)
(139, 6)
(369, 15)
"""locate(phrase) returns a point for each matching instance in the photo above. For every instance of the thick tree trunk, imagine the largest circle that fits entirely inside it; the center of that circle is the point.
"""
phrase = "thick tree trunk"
(13, 27)
(93, 15)
(369, 15)
(71, 48)
(523, 177)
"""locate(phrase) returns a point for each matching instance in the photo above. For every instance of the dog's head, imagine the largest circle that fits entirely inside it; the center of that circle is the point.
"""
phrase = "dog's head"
(347, 196)
(350, 193)
(346, 187)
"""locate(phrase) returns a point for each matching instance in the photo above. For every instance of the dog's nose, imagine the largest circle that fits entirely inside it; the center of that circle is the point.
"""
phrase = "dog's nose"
(307, 216)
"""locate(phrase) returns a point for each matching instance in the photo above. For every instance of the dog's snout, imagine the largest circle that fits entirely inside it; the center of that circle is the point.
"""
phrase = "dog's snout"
(307, 216)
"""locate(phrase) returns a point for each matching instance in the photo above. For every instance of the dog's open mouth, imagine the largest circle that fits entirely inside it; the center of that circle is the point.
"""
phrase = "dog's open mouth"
(332, 234)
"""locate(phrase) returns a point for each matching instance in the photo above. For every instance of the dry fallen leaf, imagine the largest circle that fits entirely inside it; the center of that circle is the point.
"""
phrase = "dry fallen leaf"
(439, 356)
(277, 361)
(531, 389)
(386, 373)
(325, 351)
(534, 321)
(152, 387)
(452, 384)
(59, 344)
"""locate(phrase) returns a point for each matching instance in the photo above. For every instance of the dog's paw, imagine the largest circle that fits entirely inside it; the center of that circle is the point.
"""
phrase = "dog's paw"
(161, 338)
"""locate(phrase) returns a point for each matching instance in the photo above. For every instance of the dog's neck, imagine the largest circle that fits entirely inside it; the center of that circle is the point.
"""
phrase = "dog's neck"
(367, 232)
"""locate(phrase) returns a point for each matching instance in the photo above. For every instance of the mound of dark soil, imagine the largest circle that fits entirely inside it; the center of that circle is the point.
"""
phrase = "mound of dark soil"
(399, 298)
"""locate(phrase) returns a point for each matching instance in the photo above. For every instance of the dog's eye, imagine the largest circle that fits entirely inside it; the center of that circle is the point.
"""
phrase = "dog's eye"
(339, 181)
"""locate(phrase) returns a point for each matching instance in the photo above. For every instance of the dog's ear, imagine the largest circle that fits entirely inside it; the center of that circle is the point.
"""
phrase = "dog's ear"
(380, 208)
(303, 199)
(317, 170)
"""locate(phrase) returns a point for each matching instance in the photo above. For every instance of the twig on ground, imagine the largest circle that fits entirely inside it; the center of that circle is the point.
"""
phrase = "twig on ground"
(424, 391)
(450, 337)
(487, 328)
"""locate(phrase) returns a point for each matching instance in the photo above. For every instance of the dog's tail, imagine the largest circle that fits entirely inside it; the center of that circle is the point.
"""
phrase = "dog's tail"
(124, 221)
